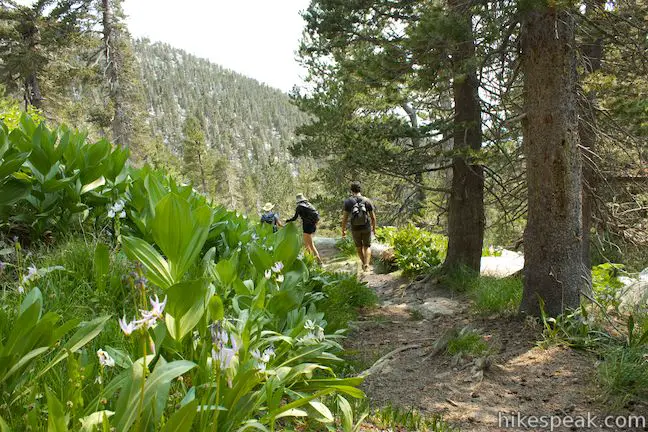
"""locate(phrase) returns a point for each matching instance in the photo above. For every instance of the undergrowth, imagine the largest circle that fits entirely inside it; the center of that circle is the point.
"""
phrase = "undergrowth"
(416, 250)
(397, 419)
(467, 343)
(340, 297)
(490, 295)
(622, 373)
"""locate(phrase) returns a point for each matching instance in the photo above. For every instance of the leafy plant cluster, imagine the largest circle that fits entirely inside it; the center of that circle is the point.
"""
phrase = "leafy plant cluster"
(606, 284)
(415, 250)
(221, 324)
(51, 180)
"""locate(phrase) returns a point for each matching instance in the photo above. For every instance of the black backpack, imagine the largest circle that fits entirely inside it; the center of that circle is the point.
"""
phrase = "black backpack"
(359, 214)
(310, 215)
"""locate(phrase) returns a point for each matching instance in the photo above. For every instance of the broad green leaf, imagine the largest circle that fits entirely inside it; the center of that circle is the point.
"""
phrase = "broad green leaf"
(347, 414)
(293, 412)
(180, 231)
(262, 260)
(157, 268)
(56, 421)
(186, 304)
(101, 265)
(171, 226)
(12, 191)
(90, 422)
(93, 185)
(289, 247)
(182, 419)
(323, 411)
(84, 335)
(159, 379)
(33, 296)
(4, 427)
(226, 272)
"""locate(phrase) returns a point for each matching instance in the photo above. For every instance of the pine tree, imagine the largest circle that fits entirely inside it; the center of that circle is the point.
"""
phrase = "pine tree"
(31, 36)
(194, 151)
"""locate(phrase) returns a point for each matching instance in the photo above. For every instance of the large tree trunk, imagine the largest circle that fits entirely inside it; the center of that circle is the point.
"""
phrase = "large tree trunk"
(33, 94)
(466, 208)
(592, 50)
(553, 264)
(202, 171)
(113, 71)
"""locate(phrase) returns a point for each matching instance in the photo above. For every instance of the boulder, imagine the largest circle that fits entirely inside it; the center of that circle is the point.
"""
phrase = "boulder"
(634, 296)
(508, 263)
(435, 306)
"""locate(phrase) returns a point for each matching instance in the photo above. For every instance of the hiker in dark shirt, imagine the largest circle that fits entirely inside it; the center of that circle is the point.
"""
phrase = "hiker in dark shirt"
(360, 211)
(270, 217)
(309, 217)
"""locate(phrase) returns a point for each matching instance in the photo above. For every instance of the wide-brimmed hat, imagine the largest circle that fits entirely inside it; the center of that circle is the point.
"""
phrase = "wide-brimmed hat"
(268, 206)
(300, 198)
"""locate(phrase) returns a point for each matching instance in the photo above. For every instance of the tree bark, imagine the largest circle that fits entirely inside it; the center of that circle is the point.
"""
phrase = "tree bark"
(553, 264)
(113, 71)
(33, 94)
(466, 219)
(202, 170)
(592, 50)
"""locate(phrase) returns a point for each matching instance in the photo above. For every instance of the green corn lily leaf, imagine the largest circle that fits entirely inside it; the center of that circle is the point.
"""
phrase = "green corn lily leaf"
(187, 302)
(157, 268)
(182, 419)
(56, 421)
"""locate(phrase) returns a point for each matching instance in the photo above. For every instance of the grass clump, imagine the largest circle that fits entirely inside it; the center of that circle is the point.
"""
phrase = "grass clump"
(395, 418)
(467, 343)
(490, 295)
(341, 295)
(497, 295)
(623, 374)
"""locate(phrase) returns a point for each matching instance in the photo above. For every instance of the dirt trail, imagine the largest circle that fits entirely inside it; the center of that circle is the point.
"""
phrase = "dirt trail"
(472, 394)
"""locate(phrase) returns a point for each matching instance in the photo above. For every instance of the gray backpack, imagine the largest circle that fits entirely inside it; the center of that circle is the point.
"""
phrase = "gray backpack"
(359, 214)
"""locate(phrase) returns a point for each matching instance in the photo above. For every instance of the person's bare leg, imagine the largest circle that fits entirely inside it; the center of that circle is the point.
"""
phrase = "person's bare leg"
(310, 246)
(367, 255)
(360, 255)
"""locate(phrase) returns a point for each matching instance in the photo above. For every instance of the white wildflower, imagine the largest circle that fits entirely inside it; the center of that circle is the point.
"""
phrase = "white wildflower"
(105, 359)
(128, 327)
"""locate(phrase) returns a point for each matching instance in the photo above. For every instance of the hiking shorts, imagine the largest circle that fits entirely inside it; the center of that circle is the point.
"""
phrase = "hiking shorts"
(309, 227)
(361, 238)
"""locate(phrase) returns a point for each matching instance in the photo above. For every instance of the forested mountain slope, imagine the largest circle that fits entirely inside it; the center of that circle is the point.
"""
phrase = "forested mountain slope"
(248, 126)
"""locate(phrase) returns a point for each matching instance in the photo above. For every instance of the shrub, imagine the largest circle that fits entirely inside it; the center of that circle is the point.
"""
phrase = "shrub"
(416, 250)
(222, 326)
(606, 284)
(346, 246)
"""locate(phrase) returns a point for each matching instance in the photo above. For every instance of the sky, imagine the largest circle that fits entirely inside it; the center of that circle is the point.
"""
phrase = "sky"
(257, 38)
